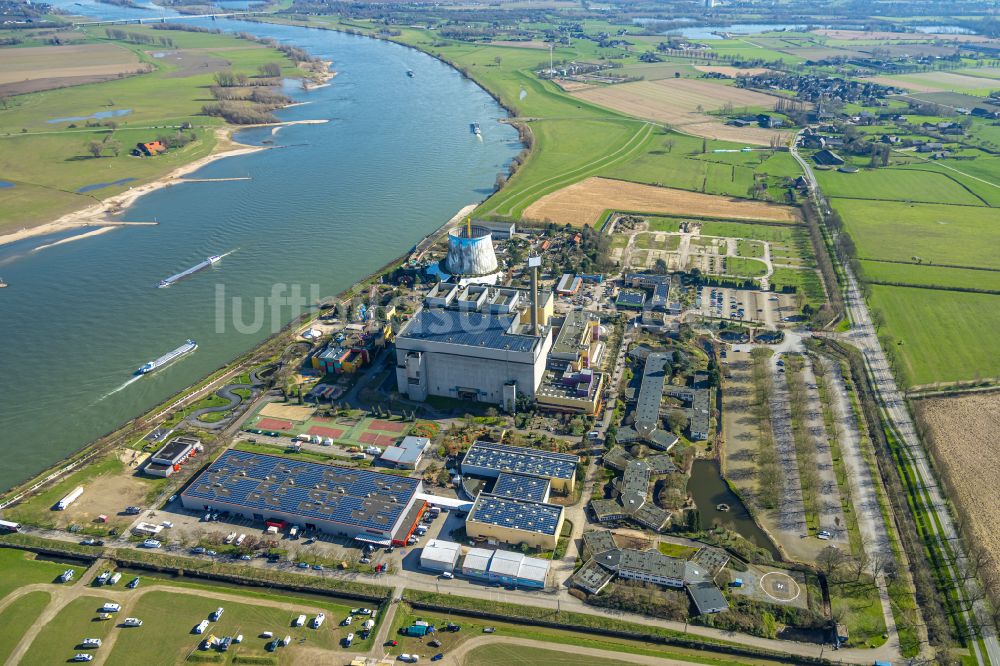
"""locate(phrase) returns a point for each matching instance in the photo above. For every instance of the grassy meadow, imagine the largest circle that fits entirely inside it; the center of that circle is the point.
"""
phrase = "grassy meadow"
(48, 162)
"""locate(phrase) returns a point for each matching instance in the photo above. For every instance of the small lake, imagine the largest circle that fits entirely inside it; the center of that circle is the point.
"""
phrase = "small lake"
(944, 29)
(100, 115)
(708, 31)
(709, 490)
(99, 186)
(4, 184)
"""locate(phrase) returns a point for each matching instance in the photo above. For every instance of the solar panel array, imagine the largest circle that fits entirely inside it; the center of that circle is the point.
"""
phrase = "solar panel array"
(521, 486)
(520, 459)
(516, 514)
(263, 483)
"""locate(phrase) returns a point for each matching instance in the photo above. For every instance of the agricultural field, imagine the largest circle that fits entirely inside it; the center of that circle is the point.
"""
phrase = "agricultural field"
(584, 202)
(684, 103)
(960, 428)
(935, 233)
(897, 185)
(506, 654)
(36, 68)
(742, 267)
(940, 336)
(18, 617)
(933, 276)
(18, 567)
(653, 71)
(939, 82)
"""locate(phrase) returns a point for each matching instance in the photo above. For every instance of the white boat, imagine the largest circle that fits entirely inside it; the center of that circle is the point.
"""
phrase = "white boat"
(186, 348)
(191, 271)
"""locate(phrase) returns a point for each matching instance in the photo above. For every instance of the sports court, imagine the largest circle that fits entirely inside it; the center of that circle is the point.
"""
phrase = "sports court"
(362, 431)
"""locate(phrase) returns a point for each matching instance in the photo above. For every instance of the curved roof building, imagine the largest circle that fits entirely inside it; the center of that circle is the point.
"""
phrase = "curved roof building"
(470, 252)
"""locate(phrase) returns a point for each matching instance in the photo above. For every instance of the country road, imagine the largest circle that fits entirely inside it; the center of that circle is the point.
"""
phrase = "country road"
(864, 336)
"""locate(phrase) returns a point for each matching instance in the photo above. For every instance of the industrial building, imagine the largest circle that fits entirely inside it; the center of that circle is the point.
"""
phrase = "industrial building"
(631, 299)
(489, 459)
(515, 521)
(507, 568)
(406, 454)
(470, 356)
(172, 455)
(568, 284)
(524, 486)
(577, 343)
(440, 556)
(492, 300)
(366, 505)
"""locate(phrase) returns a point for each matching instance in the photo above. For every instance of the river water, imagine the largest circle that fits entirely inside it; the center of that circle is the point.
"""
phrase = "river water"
(330, 204)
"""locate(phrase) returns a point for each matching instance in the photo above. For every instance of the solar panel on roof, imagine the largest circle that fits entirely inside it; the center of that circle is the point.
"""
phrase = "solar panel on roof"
(516, 514)
(262, 483)
(502, 457)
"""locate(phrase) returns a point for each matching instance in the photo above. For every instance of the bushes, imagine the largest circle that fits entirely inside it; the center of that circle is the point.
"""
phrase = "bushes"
(644, 598)
(239, 113)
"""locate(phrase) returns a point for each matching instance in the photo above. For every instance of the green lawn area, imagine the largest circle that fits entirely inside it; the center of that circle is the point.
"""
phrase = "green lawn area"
(663, 223)
(938, 276)
(749, 248)
(19, 568)
(910, 184)
(806, 281)
(765, 232)
(945, 335)
(648, 241)
(58, 640)
(966, 172)
(18, 617)
(516, 655)
(862, 612)
(170, 615)
(743, 267)
(676, 550)
(938, 234)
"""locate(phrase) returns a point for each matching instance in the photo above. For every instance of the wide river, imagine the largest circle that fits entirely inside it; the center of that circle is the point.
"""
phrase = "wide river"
(330, 204)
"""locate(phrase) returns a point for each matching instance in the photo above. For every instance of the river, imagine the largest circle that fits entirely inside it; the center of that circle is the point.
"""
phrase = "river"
(332, 203)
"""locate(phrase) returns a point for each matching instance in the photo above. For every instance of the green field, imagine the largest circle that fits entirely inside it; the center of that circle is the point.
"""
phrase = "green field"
(171, 615)
(49, 162)
(938, 234)
(58, 640)
(944, 335)
(936, 276)
(749, 248)
(19, 568)
(516, 655)
(18, 617)
(743, 267)
(897, 185)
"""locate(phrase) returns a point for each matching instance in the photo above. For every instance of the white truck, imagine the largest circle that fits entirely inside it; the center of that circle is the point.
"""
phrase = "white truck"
(132, 622)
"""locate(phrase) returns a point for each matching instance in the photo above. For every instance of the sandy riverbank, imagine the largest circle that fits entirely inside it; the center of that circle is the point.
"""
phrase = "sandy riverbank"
(100, 214)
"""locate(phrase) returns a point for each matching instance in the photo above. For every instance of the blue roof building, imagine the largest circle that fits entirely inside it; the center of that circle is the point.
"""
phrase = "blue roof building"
(522, 486)
(359, 503)
(515, 521)
(489, 459)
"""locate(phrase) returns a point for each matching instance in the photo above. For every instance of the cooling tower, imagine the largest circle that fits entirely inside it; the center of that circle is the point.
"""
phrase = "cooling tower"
(470, 254)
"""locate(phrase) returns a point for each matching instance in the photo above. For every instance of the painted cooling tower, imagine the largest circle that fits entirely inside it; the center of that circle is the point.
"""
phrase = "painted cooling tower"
(470, 253)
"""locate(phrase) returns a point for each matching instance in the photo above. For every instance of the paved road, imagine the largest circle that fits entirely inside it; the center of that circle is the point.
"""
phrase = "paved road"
(864, 336)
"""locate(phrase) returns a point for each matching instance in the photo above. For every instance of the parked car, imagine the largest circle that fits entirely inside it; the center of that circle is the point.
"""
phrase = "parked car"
(438, 657)
(391, 643)
(134, 583)
(447, 575)
(348, 640)
(83, 656)
(302, 565)
(823, 534)
(111, 608)
(198, 551)
(489, 630)
(151, 543)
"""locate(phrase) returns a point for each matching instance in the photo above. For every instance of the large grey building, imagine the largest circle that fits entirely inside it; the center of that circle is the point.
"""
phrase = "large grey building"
(478, 356)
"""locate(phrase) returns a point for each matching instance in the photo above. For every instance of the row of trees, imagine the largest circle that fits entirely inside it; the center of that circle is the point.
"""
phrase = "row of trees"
(137, 37)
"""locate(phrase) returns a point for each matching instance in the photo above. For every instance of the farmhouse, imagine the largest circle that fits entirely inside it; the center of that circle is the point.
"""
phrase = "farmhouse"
(148, 149)
(827, 157)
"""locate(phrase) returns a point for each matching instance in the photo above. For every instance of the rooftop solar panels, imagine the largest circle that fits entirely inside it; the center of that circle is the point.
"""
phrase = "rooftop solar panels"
(516, 514)
(522, 486)
(263, 483)
(492, 457)
(472, 329)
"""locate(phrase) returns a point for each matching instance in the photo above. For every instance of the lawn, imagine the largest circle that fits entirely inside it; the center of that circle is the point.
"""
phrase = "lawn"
(763, 232)
(805, 281)
(748, 248)
(19, 568)
(938, 234)
(18, 617)
(517, 655)
(171, 615)
(897, 185)
(941, 335)
(59, 639)
(743, 267)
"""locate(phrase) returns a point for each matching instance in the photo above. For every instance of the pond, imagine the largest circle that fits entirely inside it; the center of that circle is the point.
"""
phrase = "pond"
(99, 115)
(710, 491)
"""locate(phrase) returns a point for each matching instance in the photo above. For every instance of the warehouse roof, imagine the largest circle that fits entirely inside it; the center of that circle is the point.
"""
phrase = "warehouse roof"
(440, 551)
(521, 459)
(533, 568)
(573, 335)
(651, 562)
(522, 486)
(516, 514)
(506, 563)
(174, 450)
(364, 498)
(477, 559)
(471, 329)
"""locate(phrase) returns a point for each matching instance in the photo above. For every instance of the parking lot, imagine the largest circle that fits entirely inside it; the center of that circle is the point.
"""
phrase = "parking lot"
(761, 307)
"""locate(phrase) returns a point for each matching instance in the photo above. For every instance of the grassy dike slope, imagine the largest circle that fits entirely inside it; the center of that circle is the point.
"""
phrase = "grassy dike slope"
(574, 139)
(49, 162)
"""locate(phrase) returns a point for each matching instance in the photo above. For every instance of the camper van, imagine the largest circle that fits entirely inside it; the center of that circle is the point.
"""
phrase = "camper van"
(299, 621)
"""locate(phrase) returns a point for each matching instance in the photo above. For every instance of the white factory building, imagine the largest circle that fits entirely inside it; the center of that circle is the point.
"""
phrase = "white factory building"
(440, 556)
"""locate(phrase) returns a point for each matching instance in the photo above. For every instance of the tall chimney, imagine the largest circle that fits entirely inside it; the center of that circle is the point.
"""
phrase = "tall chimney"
(533, 264)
